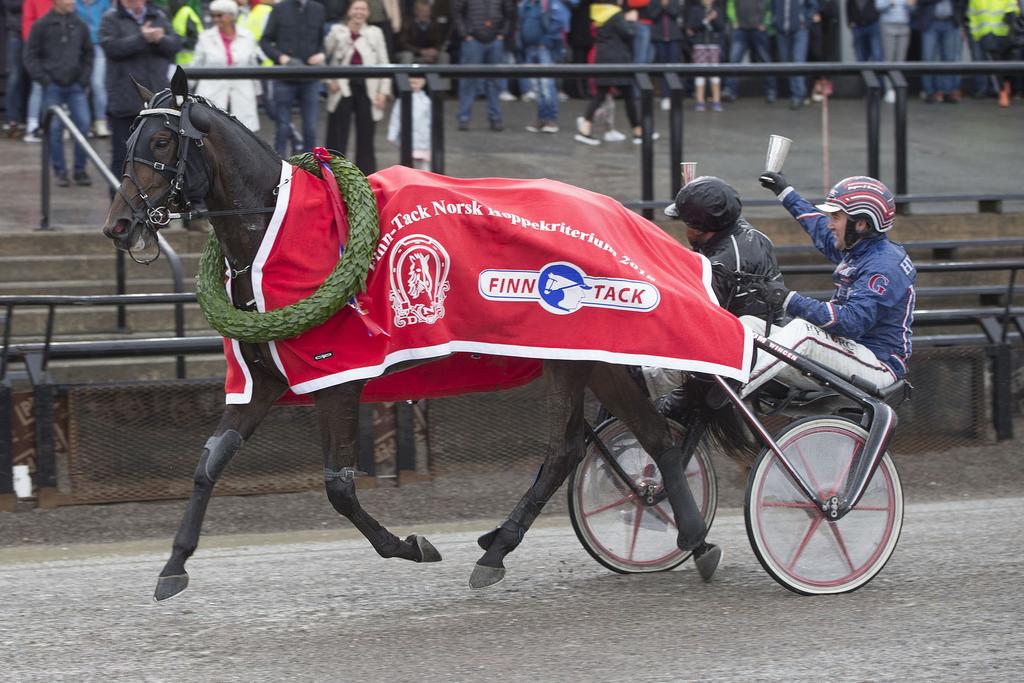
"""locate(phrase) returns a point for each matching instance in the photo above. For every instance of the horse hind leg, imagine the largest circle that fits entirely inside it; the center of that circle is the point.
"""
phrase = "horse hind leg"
(624, 398)
(339, 426)
(564, 384)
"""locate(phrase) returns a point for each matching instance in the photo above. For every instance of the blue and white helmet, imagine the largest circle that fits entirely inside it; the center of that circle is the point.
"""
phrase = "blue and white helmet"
(863, 197)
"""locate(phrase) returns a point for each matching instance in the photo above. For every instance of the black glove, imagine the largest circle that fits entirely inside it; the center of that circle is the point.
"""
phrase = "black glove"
(772, 292)
(776, 182)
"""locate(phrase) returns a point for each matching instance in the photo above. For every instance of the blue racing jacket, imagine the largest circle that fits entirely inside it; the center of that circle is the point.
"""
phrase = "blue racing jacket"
(874, 299)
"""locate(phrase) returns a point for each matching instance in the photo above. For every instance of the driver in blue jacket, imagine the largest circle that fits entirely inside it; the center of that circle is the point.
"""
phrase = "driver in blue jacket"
(864, 330)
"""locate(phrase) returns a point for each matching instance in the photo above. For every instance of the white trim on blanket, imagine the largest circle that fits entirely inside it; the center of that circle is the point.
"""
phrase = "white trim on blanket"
(284, 193)
(538, 352)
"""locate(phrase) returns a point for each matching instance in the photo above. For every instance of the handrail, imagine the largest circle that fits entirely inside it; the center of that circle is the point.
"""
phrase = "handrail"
(177, 277)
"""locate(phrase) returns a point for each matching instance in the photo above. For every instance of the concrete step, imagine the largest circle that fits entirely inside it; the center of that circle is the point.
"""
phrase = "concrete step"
(52, 268)
(126, 370)
(59, 242)
(75, 322)
(92, 287)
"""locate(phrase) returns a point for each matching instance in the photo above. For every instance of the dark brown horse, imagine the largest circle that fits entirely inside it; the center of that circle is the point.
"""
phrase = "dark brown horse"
(185, 153)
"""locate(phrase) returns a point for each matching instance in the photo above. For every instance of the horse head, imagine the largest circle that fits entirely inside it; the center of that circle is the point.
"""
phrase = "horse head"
(177, 153)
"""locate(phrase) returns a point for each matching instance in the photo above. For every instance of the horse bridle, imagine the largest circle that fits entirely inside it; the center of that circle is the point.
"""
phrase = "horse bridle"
(154, 214)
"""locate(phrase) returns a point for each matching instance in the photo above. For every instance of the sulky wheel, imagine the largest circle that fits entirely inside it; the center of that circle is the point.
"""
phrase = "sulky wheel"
(620, 530)
(792, 538)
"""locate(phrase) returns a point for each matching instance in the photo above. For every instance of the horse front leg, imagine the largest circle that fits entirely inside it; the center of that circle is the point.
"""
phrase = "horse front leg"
(564, 382)
(623, 397)
(236, 425)
(338, 409)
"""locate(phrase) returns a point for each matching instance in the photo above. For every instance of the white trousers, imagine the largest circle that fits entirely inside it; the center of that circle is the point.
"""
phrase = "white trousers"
(842, 356)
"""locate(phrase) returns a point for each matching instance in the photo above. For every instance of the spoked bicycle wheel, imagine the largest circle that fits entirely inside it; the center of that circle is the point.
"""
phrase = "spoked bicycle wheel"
(791, 537)
(619, 529)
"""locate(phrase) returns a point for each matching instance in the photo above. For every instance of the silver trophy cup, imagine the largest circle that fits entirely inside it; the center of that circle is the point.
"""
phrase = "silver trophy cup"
(688, 171)
(778, 148)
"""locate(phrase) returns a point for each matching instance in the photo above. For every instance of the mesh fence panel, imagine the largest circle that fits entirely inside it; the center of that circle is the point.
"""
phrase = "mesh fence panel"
(142, 440)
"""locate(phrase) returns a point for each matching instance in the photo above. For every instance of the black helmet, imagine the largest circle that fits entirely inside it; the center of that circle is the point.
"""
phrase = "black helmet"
(707, 203)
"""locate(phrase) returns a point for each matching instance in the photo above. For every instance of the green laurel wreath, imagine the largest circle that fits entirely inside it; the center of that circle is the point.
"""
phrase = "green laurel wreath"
(346, 280)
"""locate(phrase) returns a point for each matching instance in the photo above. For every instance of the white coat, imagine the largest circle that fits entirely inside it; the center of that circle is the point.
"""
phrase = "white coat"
(237, 97)
(338, 47)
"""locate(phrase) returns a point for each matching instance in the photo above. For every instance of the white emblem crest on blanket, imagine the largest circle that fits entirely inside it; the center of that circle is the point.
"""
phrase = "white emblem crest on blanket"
(419, 280)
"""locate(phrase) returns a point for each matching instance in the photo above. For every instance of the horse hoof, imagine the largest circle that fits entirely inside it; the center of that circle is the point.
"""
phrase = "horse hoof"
(428, 553)
(482, 576)
(169, 586)
(707, 560)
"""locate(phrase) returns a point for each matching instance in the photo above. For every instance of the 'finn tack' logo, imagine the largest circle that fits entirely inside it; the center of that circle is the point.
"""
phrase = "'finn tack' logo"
(563, 288)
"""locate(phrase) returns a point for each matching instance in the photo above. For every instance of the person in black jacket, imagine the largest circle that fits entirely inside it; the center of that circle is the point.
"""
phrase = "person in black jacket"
(59, 56)
(614, 46)
(483, 26)
(666, 37)
(294, 36)
(139, 43)
(715, 227)
(14, 99)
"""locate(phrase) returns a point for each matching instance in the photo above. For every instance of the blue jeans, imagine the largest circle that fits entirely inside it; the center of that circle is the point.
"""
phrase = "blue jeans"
(755, 42)
(792, 47)
(940, 42)
(867, 42)
(74, 97)
(35, 105)
(15, 78)
(98, 84)
(666, 52)
(547, 95)
(476, 52)
(285, 94)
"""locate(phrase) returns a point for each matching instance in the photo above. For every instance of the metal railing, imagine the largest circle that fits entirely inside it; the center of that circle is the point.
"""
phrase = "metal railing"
(642, 74)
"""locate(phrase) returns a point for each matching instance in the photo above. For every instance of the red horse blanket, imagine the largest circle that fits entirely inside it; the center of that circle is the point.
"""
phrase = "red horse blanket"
(492, 275)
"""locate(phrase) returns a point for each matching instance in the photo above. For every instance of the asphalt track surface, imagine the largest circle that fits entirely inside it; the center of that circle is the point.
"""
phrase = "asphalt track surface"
(322, 606)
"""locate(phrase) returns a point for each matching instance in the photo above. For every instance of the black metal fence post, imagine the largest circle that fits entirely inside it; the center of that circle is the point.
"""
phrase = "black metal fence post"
(405, 102)
(43, 413)
(405, 441)
(366, 440)
(899, 84)
(1002, 391)
(646, 88)
(873, 102)
(675, 131)
(8, 499)
(44, 178)
(438, 90)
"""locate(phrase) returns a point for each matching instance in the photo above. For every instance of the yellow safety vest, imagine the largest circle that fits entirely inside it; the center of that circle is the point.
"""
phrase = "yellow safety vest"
(254, 21)
(986, 17)
(180, 23)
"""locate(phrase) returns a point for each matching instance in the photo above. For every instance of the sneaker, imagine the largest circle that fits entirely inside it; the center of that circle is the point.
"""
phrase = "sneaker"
(728, 96)
(100, 128)
(890, 96)
(614, 136)
(666, 104)
(934, 98)
(61, 178)
(82, 179)
(637, 140)
(463, 125)
(506, 96)
(716, 106)
(33, 136)
(535, 127)
(497, 126)
(699, 106)
(796, 103)
(769, 99)
(586, 139)
(562, 97)
(817, 97)
(530, 96)
(549, 127)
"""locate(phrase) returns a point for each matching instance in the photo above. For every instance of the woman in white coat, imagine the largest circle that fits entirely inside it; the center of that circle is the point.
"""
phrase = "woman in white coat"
(351, 43)
(223, 45)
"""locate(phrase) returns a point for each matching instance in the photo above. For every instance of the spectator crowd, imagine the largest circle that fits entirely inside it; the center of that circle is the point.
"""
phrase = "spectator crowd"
(80, 54)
